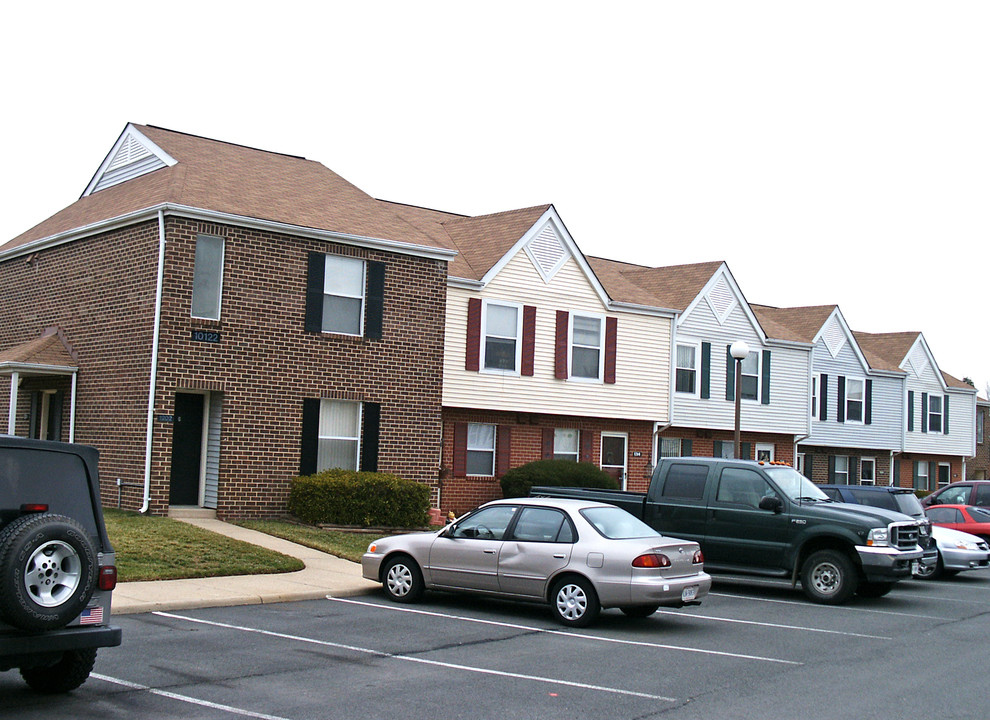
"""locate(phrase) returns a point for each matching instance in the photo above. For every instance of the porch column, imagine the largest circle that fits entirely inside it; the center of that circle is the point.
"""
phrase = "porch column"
(72, 409)
(12, 413)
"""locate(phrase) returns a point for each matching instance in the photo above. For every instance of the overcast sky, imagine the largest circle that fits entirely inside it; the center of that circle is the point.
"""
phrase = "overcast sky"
(829, 152)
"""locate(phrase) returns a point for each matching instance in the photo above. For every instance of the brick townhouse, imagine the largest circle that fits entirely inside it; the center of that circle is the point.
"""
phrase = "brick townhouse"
(217, 319)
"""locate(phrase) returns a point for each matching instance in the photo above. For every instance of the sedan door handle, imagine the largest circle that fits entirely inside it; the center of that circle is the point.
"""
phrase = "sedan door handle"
(489, 552)
(559, 556)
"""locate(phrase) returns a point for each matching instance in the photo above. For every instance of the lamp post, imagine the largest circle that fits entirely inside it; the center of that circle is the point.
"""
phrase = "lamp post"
(738, 350)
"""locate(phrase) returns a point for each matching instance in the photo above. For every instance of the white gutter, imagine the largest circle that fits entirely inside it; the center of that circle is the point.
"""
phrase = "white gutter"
(153, 384)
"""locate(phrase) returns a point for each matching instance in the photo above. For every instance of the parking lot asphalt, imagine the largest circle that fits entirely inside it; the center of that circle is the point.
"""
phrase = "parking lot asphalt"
(323, 575)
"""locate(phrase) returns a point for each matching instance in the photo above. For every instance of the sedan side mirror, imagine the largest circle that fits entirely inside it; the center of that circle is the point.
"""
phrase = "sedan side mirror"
(769, 502)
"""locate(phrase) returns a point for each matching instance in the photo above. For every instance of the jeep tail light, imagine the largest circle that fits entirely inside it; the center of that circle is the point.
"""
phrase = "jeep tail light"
(698, 558)
(651, 560)
(108, 577)
(34, 507)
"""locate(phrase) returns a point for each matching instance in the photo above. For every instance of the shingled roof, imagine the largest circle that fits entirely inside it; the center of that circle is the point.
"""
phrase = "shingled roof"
(50, 350)
(674, 287)
(800, 324)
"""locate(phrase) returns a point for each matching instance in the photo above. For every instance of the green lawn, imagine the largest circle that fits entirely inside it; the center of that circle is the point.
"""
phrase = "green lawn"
(349, 545)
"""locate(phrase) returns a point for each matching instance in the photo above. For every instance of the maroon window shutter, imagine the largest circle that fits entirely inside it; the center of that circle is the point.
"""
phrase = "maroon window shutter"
(460, 449)
(503, 450)
(611, 326)
(528, 339)
(560, 346)
(473, 350)
(547, 452)
(587, 438)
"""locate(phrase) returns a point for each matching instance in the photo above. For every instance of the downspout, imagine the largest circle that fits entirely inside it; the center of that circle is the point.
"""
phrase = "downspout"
(153, 384)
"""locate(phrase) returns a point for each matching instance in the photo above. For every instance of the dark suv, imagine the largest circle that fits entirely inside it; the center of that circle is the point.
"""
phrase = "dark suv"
(56, 563)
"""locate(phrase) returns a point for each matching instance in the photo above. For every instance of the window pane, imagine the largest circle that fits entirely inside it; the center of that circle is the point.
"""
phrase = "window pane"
(670, 447)
(854, 390)
(584, 362)
(685, 356)
(751, 364)
(344, 276)
(339, 419)
(341, 315)
(750, 388)
(854, 411)
(337, 454)
(685, 381)
(207, 277)
(500, 354)
(587, 331)
(502, 321)
(565, 442)
(481, 437)
(480, 462)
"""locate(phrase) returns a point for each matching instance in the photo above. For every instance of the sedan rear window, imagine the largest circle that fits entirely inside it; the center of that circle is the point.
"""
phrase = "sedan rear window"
(616, 524)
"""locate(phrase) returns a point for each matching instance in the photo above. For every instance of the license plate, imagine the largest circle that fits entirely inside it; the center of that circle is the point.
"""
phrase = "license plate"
(689, 593)
(914, 567)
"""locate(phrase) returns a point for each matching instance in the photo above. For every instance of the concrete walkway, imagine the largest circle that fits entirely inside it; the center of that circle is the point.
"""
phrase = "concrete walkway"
(323, 575)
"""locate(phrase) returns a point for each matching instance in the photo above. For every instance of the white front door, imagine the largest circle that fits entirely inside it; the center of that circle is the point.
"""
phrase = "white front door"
(613, 459)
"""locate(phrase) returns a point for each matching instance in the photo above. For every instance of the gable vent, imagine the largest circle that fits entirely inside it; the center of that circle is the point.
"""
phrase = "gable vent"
(919, 360)
(721, 299)
(834, 338)
(133, 156)
(547, 252)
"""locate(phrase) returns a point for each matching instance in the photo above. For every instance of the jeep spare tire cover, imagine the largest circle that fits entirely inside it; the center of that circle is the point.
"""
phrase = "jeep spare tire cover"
(48, 571)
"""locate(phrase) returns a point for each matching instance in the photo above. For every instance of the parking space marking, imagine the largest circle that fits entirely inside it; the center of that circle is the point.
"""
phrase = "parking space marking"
(828, 607)
(421, 661)
(778, 626)
(564, 633)
(187, 698)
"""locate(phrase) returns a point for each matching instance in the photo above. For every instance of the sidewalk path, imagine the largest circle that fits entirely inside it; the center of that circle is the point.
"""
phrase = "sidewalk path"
(323, 575)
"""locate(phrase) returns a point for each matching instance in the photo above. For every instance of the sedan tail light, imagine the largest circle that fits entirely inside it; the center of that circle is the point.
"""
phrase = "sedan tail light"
(698, 558)
(651, 560)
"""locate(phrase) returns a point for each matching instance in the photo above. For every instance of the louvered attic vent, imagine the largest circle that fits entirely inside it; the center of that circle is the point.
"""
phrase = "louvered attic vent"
(131, 160)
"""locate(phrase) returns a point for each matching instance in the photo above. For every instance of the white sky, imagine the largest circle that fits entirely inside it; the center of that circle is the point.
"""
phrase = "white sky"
(830, 152)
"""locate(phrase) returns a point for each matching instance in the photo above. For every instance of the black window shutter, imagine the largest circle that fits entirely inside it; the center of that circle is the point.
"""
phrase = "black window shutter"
(924, 412)
(730, 375)
(868, 404)
(315, 278)
(745, 450)
(375, 301)
(853, 471)
(685, 448)
(840, 403)
(916, 475)
(910, 410)
(310, 436)
(706, 370)
(823, 398)
(717, 449)
(831, 469)
(809, 465)
(765, 391)
(945, 415)
(371, 414)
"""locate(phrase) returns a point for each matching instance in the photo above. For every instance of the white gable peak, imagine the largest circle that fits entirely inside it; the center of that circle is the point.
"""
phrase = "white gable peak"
(834, 337)
(918, 359)
(721, 299)
(132, 156)
(547, 251)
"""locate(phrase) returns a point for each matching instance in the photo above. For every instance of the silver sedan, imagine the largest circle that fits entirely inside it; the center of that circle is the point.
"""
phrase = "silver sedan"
(956, 551)
(576, 555)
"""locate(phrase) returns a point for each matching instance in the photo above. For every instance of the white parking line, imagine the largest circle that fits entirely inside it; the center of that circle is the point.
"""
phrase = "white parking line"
(801, 628)
(421, 661)
(564, 633)
(187, 698)
(827, 607)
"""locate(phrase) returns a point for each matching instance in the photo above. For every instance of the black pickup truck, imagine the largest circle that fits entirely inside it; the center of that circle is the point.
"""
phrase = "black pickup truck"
(767, 519)
(57, 567)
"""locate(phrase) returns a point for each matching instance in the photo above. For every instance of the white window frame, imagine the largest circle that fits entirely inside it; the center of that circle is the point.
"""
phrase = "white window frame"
(675, 445)
(348, 438)
(931, 415)
(696, 346)
(216, 282)
(938, 475)
(816, 383)
(924, 480)
(799, 463)
(759, 377)
(561, 454)
(362, 297)
(861, 401)
(845, 472)
(469, 449)
(764, 447)
(517, 362)
(601, 347)
(625, 459)
(863, 462)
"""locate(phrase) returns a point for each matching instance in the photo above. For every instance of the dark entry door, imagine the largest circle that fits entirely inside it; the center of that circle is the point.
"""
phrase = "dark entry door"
(187, 446)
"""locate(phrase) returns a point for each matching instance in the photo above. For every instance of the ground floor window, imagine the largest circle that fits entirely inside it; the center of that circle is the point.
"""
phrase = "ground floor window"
(841, 474)
(764, 452)
(565, 444)
(944, 473)
(339, 435)
(867, 471)
(670, 447)
(481, 449)
(921, 479)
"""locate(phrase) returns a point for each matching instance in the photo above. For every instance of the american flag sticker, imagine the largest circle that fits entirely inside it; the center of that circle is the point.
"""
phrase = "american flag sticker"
(91, 616)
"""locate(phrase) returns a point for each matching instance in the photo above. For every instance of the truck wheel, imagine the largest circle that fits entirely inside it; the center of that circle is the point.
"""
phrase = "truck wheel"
(47, 571)
(829, 577)
(67, 674)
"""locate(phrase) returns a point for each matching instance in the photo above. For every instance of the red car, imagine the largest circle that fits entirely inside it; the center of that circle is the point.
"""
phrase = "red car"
(967, 518)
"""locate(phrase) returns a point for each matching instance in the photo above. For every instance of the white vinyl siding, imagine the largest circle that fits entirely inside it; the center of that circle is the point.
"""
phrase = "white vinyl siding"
(961, 437)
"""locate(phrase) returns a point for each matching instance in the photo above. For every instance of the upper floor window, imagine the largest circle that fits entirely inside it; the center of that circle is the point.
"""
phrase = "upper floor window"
(565, 444)
(934, 413)
(980, 419)
(855, 399)
(208, 277)
(587, 341)
(815, 381)
(686, 380)
(343, 295)
(750, 378)
(503, 327)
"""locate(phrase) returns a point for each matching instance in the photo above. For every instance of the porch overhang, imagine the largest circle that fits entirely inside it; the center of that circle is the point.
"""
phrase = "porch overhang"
(50, 355)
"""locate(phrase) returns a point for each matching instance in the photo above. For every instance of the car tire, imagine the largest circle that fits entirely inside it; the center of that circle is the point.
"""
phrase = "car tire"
(932, 572)
(829, 577)
(639, 611)
(402, 579)
(48, 571)
(874, 589)
(67, 674)
(574, 602)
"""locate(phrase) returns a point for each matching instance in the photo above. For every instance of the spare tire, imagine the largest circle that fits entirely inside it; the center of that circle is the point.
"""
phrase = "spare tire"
(48, 571)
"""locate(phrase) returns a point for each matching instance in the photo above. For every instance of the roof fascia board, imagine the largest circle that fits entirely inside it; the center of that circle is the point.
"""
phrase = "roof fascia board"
(464, 283)
(794, 344)
(642, 309)
(129, 131)
(151, 213)
(7, 368)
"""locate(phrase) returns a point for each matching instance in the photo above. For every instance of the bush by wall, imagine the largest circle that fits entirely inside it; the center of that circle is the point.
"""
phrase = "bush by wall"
(365, 499)
(517, 481)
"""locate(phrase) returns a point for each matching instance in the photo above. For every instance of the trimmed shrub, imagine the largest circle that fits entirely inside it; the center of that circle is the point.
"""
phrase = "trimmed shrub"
(561, 473)
(365, 499)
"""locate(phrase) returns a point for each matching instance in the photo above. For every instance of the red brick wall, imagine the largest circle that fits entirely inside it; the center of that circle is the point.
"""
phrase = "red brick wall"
(703, 442)
(101, 292)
